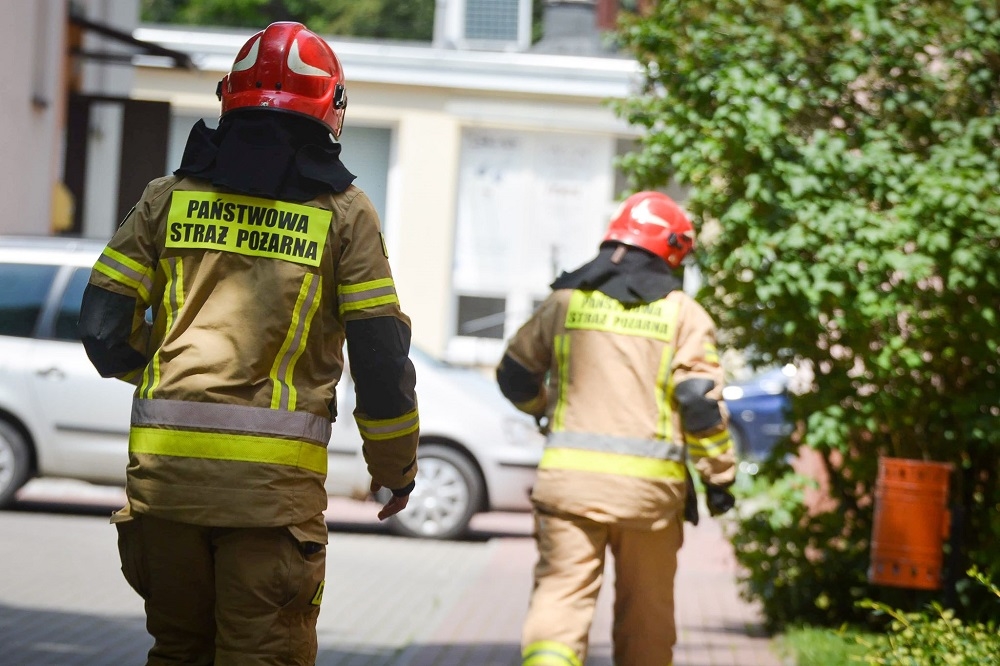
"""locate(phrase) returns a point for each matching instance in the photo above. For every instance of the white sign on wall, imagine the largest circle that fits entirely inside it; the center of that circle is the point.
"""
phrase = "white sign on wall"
(530, 205)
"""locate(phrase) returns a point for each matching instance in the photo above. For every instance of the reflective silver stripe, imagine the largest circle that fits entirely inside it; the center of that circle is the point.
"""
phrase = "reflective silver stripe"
(633, 446)
(131, 274)
(365, 295)
(231, 418)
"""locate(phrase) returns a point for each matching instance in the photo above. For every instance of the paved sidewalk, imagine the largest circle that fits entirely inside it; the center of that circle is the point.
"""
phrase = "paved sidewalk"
(389, 601)
(481, 625)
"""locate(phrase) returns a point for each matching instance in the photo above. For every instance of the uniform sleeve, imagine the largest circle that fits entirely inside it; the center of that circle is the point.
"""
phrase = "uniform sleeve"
(698, 381)
(378, 345)
(113, 326)
(522, 370)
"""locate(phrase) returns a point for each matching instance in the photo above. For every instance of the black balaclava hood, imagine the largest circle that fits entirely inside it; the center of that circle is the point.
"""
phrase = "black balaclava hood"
(637, 277)
(272, 154)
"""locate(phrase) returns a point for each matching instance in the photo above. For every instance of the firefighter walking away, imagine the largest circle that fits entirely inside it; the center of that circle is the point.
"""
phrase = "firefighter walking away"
(622, 368)
(255, 261)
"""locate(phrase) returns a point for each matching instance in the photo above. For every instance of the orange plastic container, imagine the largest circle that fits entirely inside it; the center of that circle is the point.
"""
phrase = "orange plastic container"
(911, 523)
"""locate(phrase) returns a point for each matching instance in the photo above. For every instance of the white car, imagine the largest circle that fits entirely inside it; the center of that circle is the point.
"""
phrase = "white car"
(59, 418)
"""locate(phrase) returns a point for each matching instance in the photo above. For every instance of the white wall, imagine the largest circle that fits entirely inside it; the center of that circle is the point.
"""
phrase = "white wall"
(31, 42)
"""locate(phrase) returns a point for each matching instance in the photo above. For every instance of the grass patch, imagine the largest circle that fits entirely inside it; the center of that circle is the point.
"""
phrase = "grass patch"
(808, 646)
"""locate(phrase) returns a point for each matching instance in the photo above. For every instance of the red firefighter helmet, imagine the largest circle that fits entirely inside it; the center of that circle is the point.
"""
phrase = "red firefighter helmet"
(653, 222)
(287, 67)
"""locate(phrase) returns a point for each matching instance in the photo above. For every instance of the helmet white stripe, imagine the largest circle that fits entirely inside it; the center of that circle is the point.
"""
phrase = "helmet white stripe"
(296, 64)
(249, 60)
(643, 215)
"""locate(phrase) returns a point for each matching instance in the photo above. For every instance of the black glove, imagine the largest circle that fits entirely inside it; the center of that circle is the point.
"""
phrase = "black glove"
(690, 499)
(719, 499)
(405, 490)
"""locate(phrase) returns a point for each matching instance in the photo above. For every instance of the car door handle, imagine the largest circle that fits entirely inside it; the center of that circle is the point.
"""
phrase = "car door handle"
(51, 373)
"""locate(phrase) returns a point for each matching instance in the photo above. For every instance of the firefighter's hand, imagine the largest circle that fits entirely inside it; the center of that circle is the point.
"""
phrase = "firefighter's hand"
(719, 500)
(396, 503)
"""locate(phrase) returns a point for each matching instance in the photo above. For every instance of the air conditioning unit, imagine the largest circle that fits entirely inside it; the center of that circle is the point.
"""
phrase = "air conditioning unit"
(488, 25)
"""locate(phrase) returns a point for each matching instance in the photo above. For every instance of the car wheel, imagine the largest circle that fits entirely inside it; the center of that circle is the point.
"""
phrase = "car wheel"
(14, 463)
(447, 494)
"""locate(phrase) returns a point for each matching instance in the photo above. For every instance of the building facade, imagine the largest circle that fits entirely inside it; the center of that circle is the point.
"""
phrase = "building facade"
(489, 159)
(493, 171)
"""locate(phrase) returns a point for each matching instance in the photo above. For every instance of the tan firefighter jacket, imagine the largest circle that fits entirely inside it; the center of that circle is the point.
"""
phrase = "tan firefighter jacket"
(248, 300)
(617, 446)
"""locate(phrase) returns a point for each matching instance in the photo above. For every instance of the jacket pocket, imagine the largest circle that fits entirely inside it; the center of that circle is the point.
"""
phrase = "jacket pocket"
(132, 554)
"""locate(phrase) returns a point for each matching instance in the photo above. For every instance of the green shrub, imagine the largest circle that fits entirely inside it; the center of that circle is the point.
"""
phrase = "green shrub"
(809, 567)
(842, 161)
(801, 568)
(934, 636)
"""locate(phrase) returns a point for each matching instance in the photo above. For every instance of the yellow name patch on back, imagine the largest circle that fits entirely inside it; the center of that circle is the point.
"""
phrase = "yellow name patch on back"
(247, 225)
(597, 312)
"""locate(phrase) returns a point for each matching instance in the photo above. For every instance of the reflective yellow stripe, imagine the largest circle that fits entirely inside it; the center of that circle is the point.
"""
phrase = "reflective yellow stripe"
(533, 406)
(226, 446)
(318, 597)
(126, 261)
(549, 653)
(125, 271)
(150, 377)
(301, 347)
(294, 344)
(709, 447)
(664, 389)
(610, 463)
(247, 225)
(353, 297)
(379, 429)
(132, 376)
(592, 310)
(173, 299)
(561, 344)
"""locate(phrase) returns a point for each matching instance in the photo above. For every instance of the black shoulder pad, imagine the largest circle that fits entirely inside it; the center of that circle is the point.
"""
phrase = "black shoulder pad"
(384, 377)
(517, 383)
(104, 326)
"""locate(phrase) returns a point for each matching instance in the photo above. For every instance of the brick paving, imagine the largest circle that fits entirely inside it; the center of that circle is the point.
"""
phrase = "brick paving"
(389, 601)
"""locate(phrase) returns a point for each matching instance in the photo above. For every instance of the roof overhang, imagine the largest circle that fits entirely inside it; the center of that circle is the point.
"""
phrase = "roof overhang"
(420, 65)
(143, 47)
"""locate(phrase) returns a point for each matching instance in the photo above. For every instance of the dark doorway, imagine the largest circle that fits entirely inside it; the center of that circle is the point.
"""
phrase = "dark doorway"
(143, 151)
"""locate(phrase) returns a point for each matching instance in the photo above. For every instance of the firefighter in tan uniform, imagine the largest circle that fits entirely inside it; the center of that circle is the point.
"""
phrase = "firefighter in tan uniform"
(255, 261)
(622, 365)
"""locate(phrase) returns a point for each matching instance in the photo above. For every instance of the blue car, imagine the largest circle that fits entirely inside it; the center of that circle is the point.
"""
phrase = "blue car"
(758, 411)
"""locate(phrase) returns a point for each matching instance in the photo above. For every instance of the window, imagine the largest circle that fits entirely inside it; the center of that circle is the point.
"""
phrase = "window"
(68, 314)
(481, 317)
(25, 287)
(492, 19)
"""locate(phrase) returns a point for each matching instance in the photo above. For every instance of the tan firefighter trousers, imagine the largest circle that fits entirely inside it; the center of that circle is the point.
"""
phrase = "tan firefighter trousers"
(224, 596)
(568, 579)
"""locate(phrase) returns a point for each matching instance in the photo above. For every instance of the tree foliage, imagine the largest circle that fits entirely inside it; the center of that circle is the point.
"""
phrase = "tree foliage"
(387, 19)
(843, 157)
